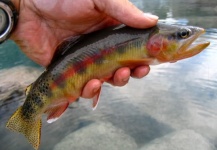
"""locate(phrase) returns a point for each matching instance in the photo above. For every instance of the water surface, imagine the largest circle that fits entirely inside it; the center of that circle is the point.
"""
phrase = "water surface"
(174, 107)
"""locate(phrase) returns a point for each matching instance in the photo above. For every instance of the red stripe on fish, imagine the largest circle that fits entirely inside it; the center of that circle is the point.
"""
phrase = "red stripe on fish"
(79, 66)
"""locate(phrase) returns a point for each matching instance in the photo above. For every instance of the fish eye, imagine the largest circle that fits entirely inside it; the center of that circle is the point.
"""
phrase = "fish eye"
(184, 33)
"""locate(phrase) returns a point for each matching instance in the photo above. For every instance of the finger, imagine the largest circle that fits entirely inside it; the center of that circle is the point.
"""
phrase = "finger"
(91, 88)
(121, 77)
(140, 72)
(125, 12)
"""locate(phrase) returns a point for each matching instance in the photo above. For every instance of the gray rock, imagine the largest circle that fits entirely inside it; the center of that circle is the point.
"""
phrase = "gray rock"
(22, 75)
(180, 140)
(14, 81)
(97, 136)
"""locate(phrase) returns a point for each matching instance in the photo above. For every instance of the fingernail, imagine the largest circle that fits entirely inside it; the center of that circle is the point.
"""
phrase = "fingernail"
(150, 16)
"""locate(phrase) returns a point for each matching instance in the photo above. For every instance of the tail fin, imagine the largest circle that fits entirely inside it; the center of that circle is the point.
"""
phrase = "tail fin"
(30, 128)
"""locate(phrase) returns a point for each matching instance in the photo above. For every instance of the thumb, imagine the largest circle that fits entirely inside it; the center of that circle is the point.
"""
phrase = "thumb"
(127, 13)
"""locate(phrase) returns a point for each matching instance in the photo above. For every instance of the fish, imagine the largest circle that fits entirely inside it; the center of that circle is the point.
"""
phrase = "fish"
(98, 55)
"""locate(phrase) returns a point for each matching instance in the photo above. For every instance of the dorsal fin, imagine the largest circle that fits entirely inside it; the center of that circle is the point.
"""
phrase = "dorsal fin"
(65, 46)
(28, 88)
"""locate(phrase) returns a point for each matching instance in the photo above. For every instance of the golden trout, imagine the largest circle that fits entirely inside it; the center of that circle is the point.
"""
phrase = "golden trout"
(97, 56)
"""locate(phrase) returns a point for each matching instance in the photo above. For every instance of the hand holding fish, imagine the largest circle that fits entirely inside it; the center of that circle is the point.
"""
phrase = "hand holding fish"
(43, 25)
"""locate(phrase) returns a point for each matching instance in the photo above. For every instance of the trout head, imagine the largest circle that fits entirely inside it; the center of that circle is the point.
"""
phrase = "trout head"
(170, 43)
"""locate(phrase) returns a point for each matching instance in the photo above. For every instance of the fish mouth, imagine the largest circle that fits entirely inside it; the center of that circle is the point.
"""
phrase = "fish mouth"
(193, 45)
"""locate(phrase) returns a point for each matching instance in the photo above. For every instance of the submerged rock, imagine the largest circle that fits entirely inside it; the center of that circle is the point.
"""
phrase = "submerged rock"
(13, 81)
(20, 74)
(180, 140)
(97, 136)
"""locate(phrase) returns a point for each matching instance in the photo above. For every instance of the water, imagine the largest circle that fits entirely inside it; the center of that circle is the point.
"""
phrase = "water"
(173, 108)
(11, 56)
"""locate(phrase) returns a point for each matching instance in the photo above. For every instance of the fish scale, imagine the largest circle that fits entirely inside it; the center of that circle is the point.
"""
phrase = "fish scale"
(97, 56)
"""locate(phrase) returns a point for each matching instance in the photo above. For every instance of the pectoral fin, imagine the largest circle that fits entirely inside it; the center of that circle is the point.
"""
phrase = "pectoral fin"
(54, 112)
(96, 99)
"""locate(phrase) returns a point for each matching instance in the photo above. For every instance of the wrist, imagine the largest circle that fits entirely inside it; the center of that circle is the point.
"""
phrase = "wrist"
(9, 17)
(16, 4)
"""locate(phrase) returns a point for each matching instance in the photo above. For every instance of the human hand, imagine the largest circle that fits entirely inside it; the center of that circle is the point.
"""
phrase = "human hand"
(44, 24)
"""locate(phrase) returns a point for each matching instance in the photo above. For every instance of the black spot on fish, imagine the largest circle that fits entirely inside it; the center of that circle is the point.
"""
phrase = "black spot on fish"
(37, 100)
(28, 109)
(55, 76)
(42, 88)
(47, 92)
(45, 88)
(27, 115)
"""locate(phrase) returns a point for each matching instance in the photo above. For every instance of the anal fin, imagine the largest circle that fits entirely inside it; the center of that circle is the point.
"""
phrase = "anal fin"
(54, 112)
